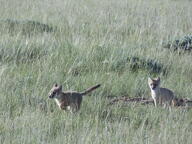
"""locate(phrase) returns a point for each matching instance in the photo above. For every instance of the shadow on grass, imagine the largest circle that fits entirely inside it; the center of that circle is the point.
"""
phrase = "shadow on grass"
(133, 63)
(19, 54)
(182, 44)
(136, 64)
(27, 27)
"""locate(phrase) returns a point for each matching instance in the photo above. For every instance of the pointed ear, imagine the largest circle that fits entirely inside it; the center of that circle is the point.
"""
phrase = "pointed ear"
(149, 79)
(158, 79)
(60, 87)
(55, 85)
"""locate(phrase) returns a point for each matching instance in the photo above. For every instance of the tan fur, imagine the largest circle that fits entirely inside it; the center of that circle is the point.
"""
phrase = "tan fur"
(69, 99)
(161, 96)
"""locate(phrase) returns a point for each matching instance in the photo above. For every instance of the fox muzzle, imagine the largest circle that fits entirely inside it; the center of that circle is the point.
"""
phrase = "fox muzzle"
(51, 96)
(153, 86)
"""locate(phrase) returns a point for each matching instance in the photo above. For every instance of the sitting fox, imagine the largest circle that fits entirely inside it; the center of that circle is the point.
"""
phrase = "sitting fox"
(161, 96)
(69, 99)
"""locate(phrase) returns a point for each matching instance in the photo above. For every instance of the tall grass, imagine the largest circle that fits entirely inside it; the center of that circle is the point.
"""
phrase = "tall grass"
(90, 45)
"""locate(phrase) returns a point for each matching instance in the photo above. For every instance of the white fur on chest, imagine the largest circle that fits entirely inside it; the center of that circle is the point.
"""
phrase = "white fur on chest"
(58, 102)
(154, 93)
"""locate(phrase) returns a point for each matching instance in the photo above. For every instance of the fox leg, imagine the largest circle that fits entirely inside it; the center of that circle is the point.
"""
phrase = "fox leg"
(73, 108)
(155, 102)
(160, 101)
(64, 106)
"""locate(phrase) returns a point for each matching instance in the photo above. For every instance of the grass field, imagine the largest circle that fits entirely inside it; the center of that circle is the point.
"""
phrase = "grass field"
(91, 42)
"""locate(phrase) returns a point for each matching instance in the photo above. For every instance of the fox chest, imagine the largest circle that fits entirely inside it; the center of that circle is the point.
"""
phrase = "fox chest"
(63, 104)
(58, 102)
(155, 94)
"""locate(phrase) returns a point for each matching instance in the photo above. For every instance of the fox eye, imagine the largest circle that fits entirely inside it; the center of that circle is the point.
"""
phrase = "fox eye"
(54, 92)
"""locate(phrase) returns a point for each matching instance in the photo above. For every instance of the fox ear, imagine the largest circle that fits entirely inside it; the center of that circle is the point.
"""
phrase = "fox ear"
(149, 79)
(60, 87)
(55, 85)
(158, 79)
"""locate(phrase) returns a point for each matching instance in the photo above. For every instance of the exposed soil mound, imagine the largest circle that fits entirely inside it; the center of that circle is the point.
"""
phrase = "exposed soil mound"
(125, 99)
(140, 100)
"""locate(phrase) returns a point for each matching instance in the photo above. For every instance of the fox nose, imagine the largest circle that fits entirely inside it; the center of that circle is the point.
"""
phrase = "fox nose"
(153, 87)
(51, 96)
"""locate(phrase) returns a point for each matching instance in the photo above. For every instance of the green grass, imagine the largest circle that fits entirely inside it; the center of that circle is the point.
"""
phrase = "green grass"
(94, 42)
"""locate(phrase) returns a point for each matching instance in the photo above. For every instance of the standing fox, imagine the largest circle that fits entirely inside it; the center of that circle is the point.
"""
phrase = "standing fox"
(162, 96)
(69, 99)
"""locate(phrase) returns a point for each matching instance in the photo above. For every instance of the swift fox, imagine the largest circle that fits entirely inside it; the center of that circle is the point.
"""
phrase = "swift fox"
(68, 99)
(162, 96)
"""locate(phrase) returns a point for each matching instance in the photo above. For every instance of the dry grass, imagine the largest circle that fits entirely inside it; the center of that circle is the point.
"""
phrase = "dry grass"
(91, 38)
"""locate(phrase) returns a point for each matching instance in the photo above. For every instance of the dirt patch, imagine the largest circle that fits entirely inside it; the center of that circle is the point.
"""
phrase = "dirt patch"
(141, 100)
(126, 99)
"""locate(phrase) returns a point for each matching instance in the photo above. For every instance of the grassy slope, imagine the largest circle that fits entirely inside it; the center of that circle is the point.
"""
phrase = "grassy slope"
(91, 32)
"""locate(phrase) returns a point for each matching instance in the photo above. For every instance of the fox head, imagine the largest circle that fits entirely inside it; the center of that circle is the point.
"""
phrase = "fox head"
(154, 83)
(55, 91)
